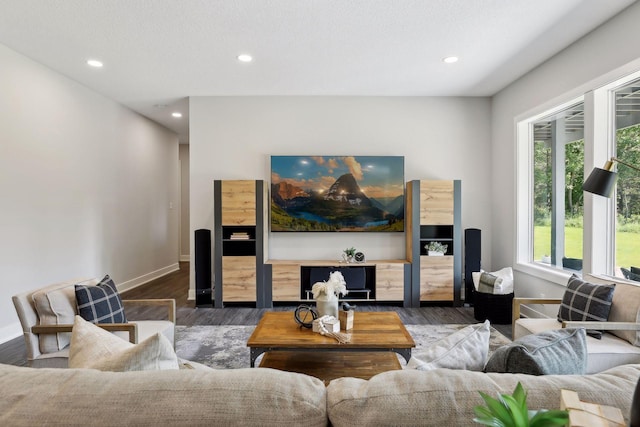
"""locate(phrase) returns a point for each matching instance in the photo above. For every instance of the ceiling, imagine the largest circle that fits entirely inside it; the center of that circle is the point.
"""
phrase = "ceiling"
(157, 53)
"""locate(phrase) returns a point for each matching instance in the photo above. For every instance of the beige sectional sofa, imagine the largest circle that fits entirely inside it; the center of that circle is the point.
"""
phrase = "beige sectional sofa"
(442, 397)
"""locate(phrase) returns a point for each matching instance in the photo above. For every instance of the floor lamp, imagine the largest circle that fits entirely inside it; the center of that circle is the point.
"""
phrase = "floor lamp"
(602, 181)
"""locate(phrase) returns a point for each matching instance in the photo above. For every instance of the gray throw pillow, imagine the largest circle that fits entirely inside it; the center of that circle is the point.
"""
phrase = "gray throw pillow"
(465, 349)
(584, 301)
(556, 352)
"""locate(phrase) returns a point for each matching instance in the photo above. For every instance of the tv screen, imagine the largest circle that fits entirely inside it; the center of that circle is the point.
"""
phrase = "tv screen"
(337, 193)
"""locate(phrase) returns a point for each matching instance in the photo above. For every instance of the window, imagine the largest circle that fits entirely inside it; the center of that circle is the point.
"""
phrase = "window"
(558, 174)
(560, 229)
(627, 198)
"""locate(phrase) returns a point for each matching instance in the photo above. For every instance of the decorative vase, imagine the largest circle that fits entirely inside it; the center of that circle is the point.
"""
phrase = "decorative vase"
(327, 305)
(435, 253)
(347, 258)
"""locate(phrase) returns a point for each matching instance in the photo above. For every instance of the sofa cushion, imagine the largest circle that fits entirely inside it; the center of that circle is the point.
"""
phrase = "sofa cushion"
(224, 397)
(464, 349)
(625, 306)
(447, 397)
(93, 347)
(56, 305)
(555, 352)
(100, 303)
(584, 301)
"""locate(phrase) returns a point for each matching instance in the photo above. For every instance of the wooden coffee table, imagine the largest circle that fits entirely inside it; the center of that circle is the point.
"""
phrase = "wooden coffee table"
(375, 338)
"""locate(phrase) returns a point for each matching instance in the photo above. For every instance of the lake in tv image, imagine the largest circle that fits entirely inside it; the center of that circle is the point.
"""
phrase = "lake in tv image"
(337, 193)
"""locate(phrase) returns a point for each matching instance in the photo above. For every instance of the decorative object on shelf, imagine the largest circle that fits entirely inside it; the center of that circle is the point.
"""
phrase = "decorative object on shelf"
(326, 294)
(359, 257)
(582, 414)
(305, 315)
(436, 248)
(511, 410)
(348, 254)
(346, 317)
(330, 326)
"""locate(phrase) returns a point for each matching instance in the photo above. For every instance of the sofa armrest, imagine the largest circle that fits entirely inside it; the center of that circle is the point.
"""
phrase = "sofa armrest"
(517, 302)
(170, 304)
(131, 328)
(603, 326)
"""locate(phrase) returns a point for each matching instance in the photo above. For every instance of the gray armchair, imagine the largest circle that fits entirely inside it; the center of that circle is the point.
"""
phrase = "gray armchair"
(47, 330)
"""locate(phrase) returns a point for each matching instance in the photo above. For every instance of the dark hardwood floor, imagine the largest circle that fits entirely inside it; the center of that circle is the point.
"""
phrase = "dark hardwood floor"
(176, 286)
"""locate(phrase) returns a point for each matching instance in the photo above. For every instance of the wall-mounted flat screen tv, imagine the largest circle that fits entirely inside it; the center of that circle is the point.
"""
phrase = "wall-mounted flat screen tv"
(337, 193)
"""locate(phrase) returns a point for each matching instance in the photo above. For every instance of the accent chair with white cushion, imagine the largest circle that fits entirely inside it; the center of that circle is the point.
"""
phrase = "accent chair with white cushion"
(47, 316)
(620, 342)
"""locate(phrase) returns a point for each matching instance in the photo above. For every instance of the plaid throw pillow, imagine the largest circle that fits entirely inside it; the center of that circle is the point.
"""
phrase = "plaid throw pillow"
(584, 301)
(100, 303)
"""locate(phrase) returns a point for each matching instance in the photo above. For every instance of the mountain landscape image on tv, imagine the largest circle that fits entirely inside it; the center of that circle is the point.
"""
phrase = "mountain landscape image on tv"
(337, 193)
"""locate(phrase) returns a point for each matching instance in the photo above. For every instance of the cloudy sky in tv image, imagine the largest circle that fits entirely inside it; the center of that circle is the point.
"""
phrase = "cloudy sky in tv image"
(377, 176)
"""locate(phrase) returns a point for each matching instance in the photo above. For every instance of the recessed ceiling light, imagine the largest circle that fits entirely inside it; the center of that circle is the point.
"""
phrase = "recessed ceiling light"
(450, 59)
(245, 58)
(95, 63)
(176, 114)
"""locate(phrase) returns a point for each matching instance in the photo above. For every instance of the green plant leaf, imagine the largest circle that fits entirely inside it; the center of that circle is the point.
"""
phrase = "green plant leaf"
(520, 395)
(491, 421)
(497, 409)
(520, 419)
(544, 418)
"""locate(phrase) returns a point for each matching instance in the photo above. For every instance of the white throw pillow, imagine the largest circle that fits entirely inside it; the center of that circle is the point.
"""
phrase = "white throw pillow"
(94, 348)
(504, 287)
(466, 349)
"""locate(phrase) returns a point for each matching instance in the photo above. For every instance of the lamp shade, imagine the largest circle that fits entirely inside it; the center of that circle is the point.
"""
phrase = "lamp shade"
(600, 182)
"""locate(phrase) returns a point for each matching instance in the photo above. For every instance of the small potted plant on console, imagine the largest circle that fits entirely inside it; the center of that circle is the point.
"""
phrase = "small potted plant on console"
(436, 249)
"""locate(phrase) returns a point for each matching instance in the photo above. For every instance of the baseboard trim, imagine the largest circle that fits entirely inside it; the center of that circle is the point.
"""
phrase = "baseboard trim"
(146, 278)
(185, 258)
(192, 295)
(10, 332)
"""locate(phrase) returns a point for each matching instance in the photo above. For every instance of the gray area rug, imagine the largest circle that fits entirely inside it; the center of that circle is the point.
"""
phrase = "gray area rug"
(225, 347)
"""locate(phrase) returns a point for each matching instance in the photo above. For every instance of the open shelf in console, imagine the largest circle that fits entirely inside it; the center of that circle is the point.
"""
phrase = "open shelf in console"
(436, 233)
(361, 280)
(238, 240)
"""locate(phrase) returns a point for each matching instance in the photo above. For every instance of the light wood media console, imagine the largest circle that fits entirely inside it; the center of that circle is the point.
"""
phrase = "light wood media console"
(387, 280)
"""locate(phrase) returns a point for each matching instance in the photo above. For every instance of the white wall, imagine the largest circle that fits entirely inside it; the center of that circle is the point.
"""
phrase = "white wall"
(85, 186)
(184, 202)
(440, 138)
(600, 57)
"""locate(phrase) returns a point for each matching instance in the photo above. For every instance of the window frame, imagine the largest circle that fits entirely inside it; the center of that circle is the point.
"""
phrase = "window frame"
(525, 191)
(599, 125)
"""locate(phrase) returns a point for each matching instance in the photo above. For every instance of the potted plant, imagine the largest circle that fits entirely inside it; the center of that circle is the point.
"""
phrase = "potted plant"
(511, 411)
(436, 249)
(349, 254)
